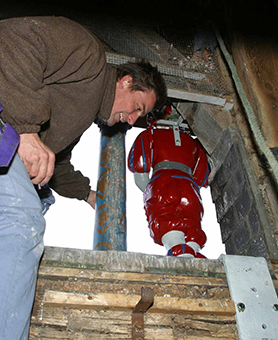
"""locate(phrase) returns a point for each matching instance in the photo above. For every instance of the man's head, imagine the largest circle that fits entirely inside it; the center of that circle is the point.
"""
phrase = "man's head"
(140, 88)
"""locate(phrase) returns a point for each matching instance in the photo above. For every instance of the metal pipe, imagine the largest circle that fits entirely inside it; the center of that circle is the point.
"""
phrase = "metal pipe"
(110, 218)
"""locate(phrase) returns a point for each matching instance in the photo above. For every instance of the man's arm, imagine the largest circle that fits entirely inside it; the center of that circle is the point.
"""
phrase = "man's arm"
(67, 181)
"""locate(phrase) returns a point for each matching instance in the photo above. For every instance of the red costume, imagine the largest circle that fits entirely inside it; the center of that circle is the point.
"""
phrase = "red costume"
(172, 198)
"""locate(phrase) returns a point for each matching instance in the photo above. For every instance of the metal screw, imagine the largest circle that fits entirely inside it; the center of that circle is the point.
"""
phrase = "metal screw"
(275, 307)
(241, 307)
(264, 326)
(254, 289)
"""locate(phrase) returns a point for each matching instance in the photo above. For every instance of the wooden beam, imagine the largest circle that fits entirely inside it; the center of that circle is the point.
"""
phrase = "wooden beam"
(86, 274)
(128, 302)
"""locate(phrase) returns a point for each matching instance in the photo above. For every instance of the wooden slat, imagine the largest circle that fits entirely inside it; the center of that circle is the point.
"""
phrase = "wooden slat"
(154, 334)
(128, 302)
(87, 274)
(116, 325)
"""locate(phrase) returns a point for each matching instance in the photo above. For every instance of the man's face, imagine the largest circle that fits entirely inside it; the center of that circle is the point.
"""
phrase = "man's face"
(129, 105)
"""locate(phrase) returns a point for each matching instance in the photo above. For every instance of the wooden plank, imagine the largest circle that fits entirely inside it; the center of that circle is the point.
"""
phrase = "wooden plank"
(123, 261)
(116, 325)
(61, 272)
(50, 333)
(81, 285)
(154, 334)
(51, 316)
(128, 302)
(274, 267)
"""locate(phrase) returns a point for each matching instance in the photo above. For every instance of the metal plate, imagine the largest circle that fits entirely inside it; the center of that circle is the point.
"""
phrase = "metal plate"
(252, 290)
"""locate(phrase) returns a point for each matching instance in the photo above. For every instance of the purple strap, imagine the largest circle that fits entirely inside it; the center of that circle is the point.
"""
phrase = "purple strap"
(9, 140)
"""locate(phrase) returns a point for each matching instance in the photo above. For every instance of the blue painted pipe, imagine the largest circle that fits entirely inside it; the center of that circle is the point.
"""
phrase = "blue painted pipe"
(110, 218)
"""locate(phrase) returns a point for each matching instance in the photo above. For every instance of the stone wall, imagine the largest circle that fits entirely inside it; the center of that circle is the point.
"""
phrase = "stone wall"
(243, 218)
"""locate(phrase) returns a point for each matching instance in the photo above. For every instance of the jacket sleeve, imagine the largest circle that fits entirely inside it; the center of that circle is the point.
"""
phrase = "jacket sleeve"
(23, 95)
(202, 169)
(66, 181)
(140, 155)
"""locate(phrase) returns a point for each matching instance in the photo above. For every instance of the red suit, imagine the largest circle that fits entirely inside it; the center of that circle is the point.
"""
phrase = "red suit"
(172, 199)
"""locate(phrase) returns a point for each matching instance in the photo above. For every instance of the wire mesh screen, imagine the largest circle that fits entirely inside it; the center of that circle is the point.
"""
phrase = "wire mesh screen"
(187, 58)
(184, 48)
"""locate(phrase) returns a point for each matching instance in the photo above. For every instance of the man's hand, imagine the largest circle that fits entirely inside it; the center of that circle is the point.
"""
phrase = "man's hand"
(37, 157)
(92, 199)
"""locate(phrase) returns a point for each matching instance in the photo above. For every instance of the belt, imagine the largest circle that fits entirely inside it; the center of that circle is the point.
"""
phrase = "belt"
(172, 165)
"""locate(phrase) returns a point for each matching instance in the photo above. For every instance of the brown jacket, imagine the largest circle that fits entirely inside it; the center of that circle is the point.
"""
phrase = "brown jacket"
(55, 81)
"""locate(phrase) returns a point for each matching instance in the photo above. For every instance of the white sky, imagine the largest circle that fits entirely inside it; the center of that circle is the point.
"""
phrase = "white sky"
(70, 223)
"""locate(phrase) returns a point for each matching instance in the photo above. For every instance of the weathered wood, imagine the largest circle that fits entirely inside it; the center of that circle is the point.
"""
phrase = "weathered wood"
(150, 334)
(61, 273)
(128, 302)
(275, 284)
(122, 261)
(112, 281)
(55, 316)
(255, 53)
(274, 268)
(126, 287)
(104, 324)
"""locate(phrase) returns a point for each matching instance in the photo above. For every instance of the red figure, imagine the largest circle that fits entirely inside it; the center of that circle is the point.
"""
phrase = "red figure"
(172, 198)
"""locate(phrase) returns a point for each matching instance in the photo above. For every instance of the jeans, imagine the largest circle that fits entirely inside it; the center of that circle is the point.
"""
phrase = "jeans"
(22, 227)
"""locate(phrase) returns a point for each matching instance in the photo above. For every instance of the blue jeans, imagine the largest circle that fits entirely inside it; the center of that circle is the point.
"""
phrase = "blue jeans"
(22, 228)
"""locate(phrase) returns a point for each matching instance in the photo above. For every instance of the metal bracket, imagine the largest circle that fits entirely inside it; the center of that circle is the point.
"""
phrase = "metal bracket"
(146, 301)
(177, 136)
(253, 293)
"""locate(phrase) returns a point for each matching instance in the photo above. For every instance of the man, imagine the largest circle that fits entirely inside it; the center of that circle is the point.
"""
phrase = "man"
(172, 199)
(54, 83)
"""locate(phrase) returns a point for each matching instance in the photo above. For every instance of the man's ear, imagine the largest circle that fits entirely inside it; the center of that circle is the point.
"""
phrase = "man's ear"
(125, 81)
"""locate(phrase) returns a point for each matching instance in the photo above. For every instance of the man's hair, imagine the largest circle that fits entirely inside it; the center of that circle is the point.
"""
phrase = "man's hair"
(145, 77)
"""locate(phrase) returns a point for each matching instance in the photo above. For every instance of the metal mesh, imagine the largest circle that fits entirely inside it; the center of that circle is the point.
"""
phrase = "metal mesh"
(185, 51)
(188, 59)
